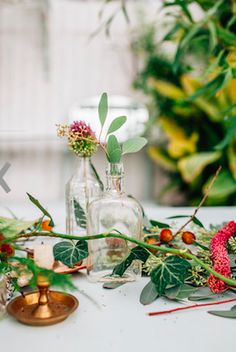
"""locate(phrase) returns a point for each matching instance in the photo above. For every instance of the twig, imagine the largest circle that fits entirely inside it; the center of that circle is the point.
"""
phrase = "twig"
(192, 306)
(201, 202)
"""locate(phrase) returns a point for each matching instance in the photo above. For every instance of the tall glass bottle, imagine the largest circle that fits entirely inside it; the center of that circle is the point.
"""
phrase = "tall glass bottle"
(82, 188)
(114, 210)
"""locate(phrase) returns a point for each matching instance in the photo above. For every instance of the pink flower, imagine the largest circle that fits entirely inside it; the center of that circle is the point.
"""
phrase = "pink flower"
(220, 257)
(81, 138)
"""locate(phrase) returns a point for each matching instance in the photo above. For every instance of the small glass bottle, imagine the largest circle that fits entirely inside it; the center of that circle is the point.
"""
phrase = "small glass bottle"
(113, 211)
(82, 188)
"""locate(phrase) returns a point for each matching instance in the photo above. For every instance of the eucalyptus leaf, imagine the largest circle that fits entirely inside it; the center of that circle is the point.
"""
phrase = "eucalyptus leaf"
(113, 149)
(201, 294)
(80, 216)
(180, 292)
(103, 108)
(149, 294)
(172, 271)
(117, 123)
(133, 145)
(40, 207)
(70, 253)
(224, 313)
(112, 285)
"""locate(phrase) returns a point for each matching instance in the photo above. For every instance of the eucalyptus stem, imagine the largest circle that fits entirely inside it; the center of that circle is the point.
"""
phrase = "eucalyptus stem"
(180, 252)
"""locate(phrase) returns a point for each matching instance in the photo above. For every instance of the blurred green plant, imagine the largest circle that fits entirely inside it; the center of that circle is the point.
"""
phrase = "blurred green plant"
(193, 96)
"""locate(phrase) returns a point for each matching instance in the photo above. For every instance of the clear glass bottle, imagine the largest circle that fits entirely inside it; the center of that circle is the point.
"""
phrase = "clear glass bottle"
(114, 210)
(82, 188)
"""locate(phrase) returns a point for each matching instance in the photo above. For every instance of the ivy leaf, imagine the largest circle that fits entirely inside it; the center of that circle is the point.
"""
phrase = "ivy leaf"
(70, 253)
(161, 225)
(12, 227)
(113, 149)
(80, 216)
(40, 207)
(133, 145)
(136, 253)
(149, 294)
(116, 124)
(172, 271)
(103, 108)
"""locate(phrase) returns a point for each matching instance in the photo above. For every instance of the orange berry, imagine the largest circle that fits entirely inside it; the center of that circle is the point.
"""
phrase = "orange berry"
(166, 235)
(152, 240)
(46, 226)
(188, 237)
(2, 237)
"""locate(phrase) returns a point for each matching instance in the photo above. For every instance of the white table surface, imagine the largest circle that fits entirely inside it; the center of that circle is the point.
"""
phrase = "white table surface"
(118, 322)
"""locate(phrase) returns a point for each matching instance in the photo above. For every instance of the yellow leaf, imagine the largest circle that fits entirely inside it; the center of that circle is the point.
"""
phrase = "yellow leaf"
(160, 158)
(231, 90)
(179, 143)
(166, 89)
(192, 166)
(232, 159)
(190, 86)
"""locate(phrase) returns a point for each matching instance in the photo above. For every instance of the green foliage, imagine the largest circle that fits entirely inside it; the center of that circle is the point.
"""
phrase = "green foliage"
(192, 96)
(12, 227)
(55, 279)
(41, 208)
(70, 253)
(172, 271)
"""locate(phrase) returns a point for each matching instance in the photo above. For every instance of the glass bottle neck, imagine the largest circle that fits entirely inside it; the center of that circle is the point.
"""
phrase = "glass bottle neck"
(115, 178)
(83, 168)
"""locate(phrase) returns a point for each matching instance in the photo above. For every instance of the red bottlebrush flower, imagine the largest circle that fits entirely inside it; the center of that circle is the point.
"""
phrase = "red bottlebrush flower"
(220, 257)
(7, 249)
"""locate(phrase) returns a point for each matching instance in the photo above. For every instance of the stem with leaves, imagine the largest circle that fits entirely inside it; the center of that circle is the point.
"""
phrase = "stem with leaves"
(180, 252)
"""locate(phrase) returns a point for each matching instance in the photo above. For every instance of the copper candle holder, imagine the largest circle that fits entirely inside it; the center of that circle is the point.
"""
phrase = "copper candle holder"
(42, 307)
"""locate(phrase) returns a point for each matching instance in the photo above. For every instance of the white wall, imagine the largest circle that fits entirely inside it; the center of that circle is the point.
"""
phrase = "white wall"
(33, 100)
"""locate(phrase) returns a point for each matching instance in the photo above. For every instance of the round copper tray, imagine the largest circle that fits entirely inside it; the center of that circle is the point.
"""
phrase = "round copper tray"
(61, 305)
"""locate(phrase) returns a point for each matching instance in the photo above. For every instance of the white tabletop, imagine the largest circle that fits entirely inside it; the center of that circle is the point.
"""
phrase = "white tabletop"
(117, 321)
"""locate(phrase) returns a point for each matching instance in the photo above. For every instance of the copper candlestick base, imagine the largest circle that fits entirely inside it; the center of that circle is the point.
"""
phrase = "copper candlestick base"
(42, 307)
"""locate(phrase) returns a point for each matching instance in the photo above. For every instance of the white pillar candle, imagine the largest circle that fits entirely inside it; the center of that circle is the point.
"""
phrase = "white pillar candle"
(43, 255)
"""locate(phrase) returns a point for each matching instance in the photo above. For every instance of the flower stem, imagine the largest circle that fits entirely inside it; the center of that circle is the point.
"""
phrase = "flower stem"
(192, 306)
(182, 252)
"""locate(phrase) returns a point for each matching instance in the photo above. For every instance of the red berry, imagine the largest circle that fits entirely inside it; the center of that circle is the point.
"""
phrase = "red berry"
(166, 235)
(188, 237)
(152, 240)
